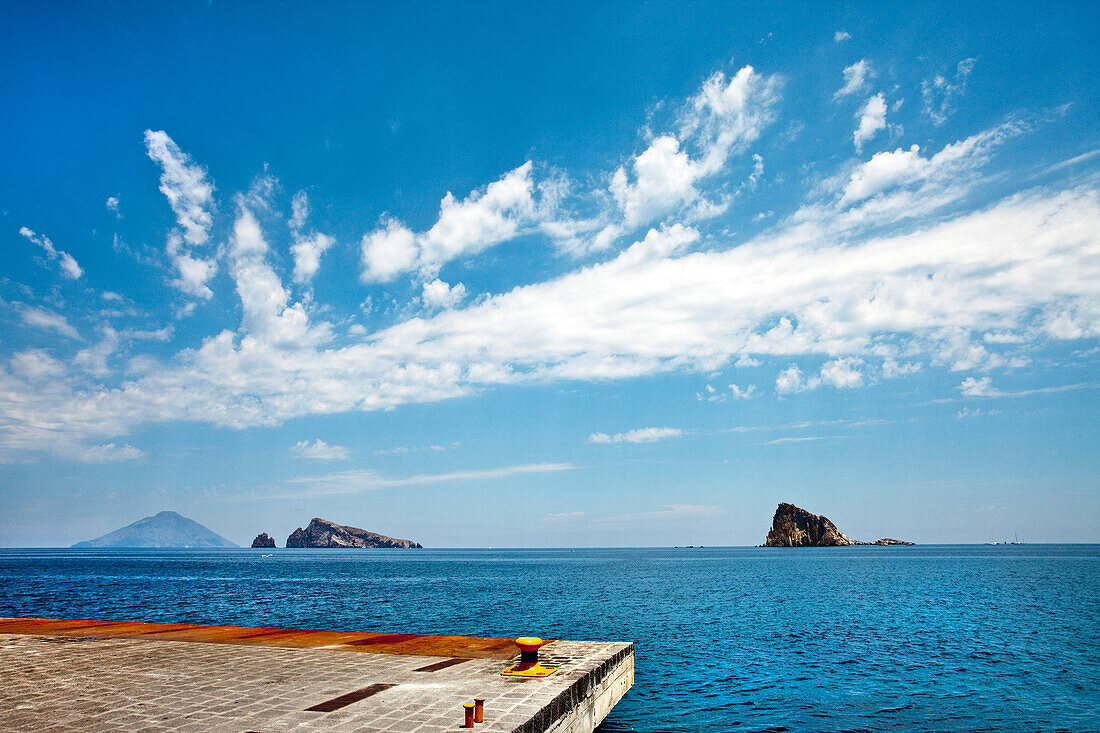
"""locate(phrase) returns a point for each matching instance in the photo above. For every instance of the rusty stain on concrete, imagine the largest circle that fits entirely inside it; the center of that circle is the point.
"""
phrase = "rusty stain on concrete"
(465, 647)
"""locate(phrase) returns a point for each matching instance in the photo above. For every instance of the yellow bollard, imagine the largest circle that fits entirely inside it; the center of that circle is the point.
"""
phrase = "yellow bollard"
(529, 659)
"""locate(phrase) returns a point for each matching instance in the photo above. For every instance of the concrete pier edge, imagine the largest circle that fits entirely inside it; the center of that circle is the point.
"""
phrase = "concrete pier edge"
(139, 676)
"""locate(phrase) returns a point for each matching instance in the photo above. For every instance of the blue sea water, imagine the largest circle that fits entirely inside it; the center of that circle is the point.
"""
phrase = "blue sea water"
(944, 638)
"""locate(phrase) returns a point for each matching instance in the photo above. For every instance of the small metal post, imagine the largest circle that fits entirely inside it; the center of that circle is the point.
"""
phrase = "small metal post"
(479, 710)
(468, 711)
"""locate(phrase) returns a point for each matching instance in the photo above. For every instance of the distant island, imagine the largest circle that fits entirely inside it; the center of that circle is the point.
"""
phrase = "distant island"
(793, 526)
(165, 529)
(323, 533)
(262, 540)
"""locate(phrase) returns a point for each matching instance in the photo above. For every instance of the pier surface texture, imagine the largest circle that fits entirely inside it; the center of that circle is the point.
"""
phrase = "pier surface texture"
(83, 675)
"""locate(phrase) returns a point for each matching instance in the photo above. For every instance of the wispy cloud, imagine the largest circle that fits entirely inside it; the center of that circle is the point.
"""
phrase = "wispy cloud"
(308, 247)
(319, 450)
(983, 387)
(968, 412)
(66, 262)
(360, 480)
(108, 453)
(464, 227)
(562, 517)
(877, 271)
(640, 435)
(801, 439)
(940, 92)
(1075, 160)
(872, 119)
(190, 194)
(856, 78)
(45, 319)
(416, 448)
(669, 512)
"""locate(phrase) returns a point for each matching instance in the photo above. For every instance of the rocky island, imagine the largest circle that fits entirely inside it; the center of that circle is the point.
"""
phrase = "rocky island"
(262, 540)
(323, 533)
(793, 526)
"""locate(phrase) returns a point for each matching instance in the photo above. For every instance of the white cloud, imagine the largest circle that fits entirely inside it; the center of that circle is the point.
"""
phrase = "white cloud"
(94, 358)
(939, 93)
(307, 248)
(856, 77)
(663, 179)
(190, 194)
(992, 270)
(840, 36)
(319, 450)
(872, 118)
(710, 395)
(884, 171)
(388, 251)
(68, 265)
(828, 284)
(299, 211)
(983, 387)
(892, 368)
(307, 253)
(185, 185)
(843, 373)
(757, 170)
(194, 273)
(112, 205)
(640, 435)
(977, 387)
(941, 178)
(50, 321)
(789, 380)
(1075, 160)
(725, 117)
(728, 115)
(108, 453)
(438, 294)
(740, 393)
(36, 365)
(268, 314)
(466, 227)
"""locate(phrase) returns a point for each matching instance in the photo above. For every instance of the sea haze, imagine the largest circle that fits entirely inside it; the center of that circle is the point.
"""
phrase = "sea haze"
(991, 638)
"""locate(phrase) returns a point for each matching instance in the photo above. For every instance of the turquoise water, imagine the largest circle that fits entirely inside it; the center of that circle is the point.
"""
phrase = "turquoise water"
(947, 638)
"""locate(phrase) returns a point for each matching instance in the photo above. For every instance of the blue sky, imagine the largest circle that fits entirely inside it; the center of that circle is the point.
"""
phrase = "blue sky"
(561, 275)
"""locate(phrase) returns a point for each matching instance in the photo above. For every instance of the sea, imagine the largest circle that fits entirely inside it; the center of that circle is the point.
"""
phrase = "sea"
(924, 638)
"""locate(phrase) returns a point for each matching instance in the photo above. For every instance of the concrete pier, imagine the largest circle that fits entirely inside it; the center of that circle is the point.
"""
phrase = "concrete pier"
(87, 675)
